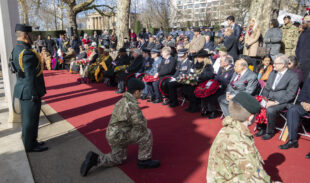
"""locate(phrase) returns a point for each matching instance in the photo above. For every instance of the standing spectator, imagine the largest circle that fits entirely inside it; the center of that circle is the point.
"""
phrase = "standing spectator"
(303, 48)
(234, 26)
(40, 43)
(290, 37)
(189, 33)
(251, 42)
(113, 40)
(75, 44)
(160, 34)
(231, 43)
(197, 43)
(95, 37)
(50, 44)
(220, 32)
(85, 39)
(294, 66)
(133, 36)
(273, 38)
(105, 37)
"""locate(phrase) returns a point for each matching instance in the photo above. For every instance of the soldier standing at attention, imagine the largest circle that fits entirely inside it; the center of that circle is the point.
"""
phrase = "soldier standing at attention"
(233, 155)
(290, 37)
(29, 88)
(127, 126)
(197, 43)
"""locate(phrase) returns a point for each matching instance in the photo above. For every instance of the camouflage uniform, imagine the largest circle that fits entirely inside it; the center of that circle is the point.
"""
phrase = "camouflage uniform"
(127, 126)
(289, 39)
(233, 156)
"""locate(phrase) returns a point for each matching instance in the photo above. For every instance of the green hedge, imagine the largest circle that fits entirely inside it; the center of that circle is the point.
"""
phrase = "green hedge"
(55, 34)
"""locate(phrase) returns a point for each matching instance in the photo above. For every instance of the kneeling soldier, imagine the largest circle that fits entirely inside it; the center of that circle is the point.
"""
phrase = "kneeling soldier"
(127, 126)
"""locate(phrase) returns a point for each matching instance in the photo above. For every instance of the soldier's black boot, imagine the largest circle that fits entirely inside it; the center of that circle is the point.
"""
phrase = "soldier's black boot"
(142, 164)
(90, 161)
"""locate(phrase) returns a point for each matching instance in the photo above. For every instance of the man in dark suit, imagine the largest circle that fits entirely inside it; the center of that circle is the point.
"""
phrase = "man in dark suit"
(242, 80)
(231, 43)
(29, 88)
(237, 29)
(302, 108)
(280, 89)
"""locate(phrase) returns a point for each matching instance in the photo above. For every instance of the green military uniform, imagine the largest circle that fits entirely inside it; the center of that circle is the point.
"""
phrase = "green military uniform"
(29, 89)
(127, 126)
(289, 39)
(233, 156)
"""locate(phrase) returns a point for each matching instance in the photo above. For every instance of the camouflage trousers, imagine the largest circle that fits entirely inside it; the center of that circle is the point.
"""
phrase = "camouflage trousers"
(289, 52)
(119, 152)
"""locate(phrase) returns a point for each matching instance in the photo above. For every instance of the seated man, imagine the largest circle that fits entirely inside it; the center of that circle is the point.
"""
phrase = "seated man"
(127, 126)
(233, 155)
(146, 67)
(224, 75)
(280, 89)
(294, 114)
(69, 57)
(166, 68)
(184, 65)
(242, 80)
(134, 67)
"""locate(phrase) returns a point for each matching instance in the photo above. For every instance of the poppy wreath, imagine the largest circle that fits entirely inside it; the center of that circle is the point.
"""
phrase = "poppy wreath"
(163, 82)
(261, 118)
(149, 78)
(204, 90)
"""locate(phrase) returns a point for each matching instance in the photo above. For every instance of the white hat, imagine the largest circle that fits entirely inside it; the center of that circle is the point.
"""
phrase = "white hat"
(93, 44)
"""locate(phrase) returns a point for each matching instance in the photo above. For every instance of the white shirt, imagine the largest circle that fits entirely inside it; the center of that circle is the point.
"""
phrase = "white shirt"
(277, 77)
(216, 65)
(240, 74)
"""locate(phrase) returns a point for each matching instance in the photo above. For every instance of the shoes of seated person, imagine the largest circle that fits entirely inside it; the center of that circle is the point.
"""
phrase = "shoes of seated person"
(260, 133)
(151, 100)
(213, 115)
(38, 148)
(142, 164)
(90, 161)
(205, 113)
(165, 102)
(143, 97)
(192, 110)
(156, 101)
(173, 104)
(289, 145)
(267, 136)
(119, 91)
(308, 155)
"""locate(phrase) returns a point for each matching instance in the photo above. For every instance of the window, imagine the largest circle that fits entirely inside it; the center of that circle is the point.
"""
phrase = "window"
(180, 7)
(203, 5)
(197, 5)
(202, 10)
(190, 6)
(179, 2)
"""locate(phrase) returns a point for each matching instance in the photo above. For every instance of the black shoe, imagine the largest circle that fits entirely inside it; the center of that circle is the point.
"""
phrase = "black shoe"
(144, 97)
(267, 136)
(142, 164)
(40, 143)
(119, 91)
(156, 101)
(38, 148)
(205, 113)
(90, 161)
(213, 115)
(192, 110)
(308, 155)
(173, 105)
(261, 132)
(289, 145)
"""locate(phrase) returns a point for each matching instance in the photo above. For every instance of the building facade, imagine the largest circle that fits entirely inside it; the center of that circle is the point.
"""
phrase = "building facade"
(185, 13)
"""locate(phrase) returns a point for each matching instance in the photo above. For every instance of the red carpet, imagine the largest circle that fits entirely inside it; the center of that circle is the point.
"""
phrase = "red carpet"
(181, 140)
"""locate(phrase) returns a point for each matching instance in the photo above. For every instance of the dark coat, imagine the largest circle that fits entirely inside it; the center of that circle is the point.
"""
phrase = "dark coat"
(231, 44)
(286, 89)
(167, 66)
(50, 45)
(208, 72)
(147, 65)
(304, 95)
(303, 47)
(237, 30)
(224, 76)
(135, 64)
(124, 60)
(183, 67)
(29, 84)
(209, 45)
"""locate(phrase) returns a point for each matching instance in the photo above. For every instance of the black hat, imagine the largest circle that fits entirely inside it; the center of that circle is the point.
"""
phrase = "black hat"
(122, 50)
(196, 29)
(135, 84)
(287, 16)
(248, 102)
(147, 50)
(155, 50)
(203, 53)
(23, 28)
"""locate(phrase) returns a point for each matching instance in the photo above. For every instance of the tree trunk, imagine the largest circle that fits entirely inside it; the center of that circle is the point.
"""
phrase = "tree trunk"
(72, 21)
(263, 11)
(122, 24)
(24, 9)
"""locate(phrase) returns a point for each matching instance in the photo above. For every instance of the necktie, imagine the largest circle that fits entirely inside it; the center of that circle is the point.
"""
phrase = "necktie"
(239, 75)
(277, 80)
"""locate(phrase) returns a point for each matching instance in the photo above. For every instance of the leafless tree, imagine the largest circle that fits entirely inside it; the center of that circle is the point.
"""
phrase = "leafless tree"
(122, 24)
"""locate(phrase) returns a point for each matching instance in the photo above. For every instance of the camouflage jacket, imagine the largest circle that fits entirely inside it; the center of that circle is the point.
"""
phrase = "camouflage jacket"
(290, 36)
(197, 43)
(233, 156)
(127, 123)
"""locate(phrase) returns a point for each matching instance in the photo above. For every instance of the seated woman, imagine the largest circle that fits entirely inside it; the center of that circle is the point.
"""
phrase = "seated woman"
(100, 68)
(204, 71)
(264, 69)
(294, 66)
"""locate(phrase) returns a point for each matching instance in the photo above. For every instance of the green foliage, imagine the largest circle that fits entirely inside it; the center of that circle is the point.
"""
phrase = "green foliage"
(55, 34)
(216, 27)
(188, 24)
(138, 27)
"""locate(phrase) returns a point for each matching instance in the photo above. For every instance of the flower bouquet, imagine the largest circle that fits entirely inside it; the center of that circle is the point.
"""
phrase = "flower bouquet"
(120, 68)
(191, 79)
(206, 88)
(82, 62)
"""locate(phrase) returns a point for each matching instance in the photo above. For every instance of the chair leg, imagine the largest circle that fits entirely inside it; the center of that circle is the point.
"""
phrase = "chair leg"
(183, 101)
(282, 130)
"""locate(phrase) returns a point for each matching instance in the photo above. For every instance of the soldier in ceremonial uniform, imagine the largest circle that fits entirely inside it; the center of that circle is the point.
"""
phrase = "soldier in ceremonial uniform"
(29, 88)
(233, 156)
(127, 126)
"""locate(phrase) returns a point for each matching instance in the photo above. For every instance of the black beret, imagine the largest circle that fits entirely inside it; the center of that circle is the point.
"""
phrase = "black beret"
(196, 29)
(122, 50)
(135, 84)
(203, 53)
(287, 16)
(23, 28)
(248, 102)
(155, 50)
